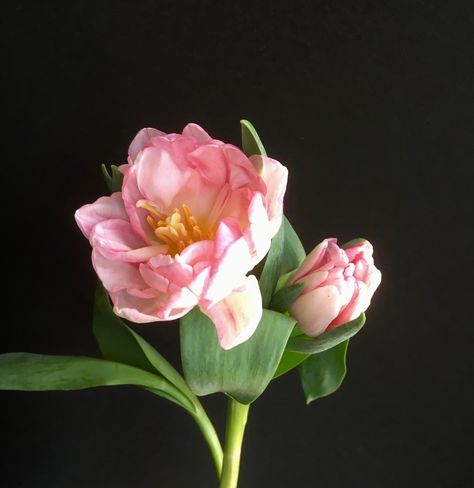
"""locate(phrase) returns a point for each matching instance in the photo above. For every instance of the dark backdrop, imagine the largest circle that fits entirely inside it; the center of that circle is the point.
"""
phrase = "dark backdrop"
(369, 104)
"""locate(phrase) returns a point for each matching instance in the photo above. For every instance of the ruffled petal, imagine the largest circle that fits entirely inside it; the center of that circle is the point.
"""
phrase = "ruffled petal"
(198, 133)
(316, 309)
(116, 276)
(232, 261)
(313, 260)
(259, 233)
(104, 208)
(275, 177)
(136, 309)
(141, 140)
(242, 173)
(237, 316)
(131, 195)
(116, 240)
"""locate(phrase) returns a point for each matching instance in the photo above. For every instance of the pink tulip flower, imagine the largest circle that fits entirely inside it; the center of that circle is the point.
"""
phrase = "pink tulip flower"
(194, 216)
(339, 284)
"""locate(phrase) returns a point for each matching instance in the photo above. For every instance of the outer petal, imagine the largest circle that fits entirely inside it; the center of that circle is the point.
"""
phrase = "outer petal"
(313, 260)
(315, 310)
(237, 316)
(116, 240)
(275, 177)
(141, 140)
(131, 195)
(135, 309)
(159, 177)
(104, 208)
(198, 133)
(373, 281)
(242, 173)
(210, 162)
(116, 276)
(259, 232)
(232, 261)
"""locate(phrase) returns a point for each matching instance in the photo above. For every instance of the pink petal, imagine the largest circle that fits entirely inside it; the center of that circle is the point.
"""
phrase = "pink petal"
(354, 308)
(159, 177)
(200, 281)
(232, 260)
(363, 249)
(102, 209)
(227, 233)
(153, 279)
(242, 173)
(197, 252)
(373, 281)
(141, 140)
(237, 316)
(135, 309)
(116, 240)
(313, 260)
(210, 162)
(313, 280)
(180, 302)
(198, 133)
(116, 275)
(131, 195)
(178, 273)
(275, 177)
(259, 232)
(316, 309)
(237, 206)
(228, 272)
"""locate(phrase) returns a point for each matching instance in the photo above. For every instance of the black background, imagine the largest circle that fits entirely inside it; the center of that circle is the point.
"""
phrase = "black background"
(370, 106)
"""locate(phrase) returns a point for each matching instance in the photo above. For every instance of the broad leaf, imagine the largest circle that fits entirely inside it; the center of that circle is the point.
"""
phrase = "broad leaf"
(322, 374)
(289, 360)
(242, 372)
(113, 179)
(36, 372)
(293, 251)
(313, 345)
(272, 267)
(118, 342)
(251, 143)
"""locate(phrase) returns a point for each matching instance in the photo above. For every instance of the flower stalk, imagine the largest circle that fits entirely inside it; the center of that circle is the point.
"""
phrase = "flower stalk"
(237, 414)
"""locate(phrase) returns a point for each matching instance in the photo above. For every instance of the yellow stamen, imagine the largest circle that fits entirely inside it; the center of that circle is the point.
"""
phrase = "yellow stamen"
(151, 222)
(178, 230)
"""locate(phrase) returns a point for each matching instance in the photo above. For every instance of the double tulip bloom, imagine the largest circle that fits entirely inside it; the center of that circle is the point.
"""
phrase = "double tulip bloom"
(194, 216)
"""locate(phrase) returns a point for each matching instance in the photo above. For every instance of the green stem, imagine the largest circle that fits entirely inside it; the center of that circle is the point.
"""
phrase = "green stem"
(209, 434)
(236, 420)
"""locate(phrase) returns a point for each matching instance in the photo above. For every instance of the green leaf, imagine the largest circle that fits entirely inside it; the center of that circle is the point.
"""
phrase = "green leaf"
(313, 345)
(289, 360)
(272, 267)
(293, 251)
(242, 372)
(251, 143)
(284, 297)
(36, 372)
(322, 374)
(119, 343)
(286, 253)
(113, 179)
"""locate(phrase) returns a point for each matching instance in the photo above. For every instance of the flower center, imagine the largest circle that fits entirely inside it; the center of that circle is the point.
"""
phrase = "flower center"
(178, 230)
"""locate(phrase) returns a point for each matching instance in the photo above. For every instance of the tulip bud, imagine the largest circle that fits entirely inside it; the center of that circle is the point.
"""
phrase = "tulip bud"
(339, 284)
